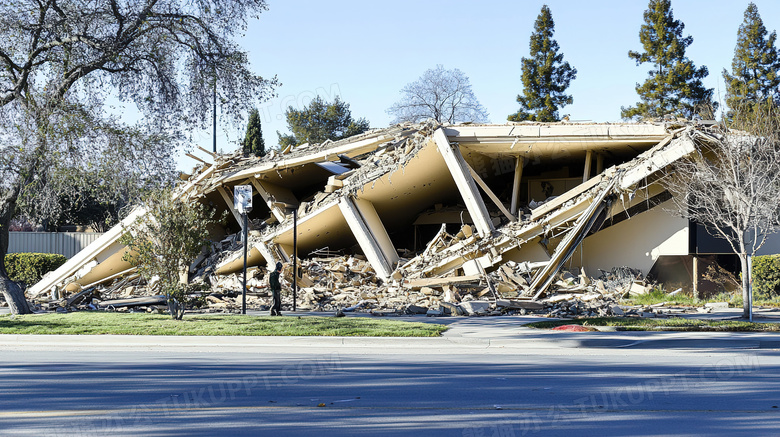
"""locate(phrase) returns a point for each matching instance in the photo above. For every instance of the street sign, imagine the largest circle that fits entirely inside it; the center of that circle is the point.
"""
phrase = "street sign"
(242, 198)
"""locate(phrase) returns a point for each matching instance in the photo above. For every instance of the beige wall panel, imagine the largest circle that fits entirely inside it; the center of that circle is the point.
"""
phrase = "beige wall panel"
(636, 242)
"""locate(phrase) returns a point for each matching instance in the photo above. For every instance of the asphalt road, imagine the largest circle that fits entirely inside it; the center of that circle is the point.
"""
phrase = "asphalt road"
(470, 383)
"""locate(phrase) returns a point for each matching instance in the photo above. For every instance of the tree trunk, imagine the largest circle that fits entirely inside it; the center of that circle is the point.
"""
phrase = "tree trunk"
(176, 308)
(14, 295)
(12, 292)
(745, 285)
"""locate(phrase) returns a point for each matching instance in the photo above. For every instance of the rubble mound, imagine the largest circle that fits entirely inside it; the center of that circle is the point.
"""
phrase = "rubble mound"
(348, 284)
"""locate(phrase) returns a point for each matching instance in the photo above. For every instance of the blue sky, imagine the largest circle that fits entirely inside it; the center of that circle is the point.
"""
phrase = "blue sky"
(365, 52)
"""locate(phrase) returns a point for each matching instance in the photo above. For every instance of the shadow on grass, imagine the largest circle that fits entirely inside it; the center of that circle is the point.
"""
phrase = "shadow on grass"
(238, 325)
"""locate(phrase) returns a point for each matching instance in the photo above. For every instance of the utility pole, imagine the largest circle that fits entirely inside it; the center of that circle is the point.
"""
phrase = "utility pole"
(295, 258)
(214, 114)
(246, 243)
(242, 202)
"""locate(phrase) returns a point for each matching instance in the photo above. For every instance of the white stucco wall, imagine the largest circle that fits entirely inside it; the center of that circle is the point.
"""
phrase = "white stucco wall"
(636, 242)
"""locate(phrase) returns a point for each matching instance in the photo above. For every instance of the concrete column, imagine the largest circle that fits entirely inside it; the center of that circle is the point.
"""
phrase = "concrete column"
(465, 183)
(519, 164)
(371, 235)
(588, 161)
(266, 253)
(599, 163)
(377, 228)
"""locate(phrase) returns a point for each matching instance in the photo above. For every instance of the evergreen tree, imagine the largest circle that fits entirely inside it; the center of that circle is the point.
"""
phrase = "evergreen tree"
(253, 141)
(755, 69)
(674, 84)
(321, 121)
(545, 75)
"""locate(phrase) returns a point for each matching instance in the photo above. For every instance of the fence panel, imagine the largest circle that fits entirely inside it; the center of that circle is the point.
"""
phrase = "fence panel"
(65, 243)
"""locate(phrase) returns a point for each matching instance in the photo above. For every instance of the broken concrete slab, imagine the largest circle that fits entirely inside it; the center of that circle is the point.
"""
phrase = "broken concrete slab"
(638, 289)
(524, 304)
(474, 307)
(133, 302)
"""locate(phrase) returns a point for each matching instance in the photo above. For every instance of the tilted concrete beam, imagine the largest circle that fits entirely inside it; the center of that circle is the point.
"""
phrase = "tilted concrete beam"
(468, 189)
(370, 234)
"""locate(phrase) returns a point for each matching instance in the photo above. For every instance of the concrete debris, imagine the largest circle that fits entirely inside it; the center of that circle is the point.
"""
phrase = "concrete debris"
(717, 305)
(425, 219)
(475, 307)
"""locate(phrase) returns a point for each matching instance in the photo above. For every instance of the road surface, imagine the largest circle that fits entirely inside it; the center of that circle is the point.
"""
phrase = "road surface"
(463, 385)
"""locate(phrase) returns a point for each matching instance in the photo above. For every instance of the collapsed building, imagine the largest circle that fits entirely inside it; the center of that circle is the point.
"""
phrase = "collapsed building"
(431, 210)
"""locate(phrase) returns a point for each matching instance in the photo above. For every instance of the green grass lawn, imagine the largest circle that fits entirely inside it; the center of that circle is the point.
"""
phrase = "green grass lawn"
(671, 324)
(155, 324)
(735, 300)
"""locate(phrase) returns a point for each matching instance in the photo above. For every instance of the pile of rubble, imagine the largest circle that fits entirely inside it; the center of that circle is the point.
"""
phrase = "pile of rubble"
(348, 284)
(501, 194)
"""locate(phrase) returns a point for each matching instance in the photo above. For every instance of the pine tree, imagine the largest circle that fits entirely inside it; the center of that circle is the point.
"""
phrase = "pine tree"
(674, 85)
(253, 141)
(320, 121)
(755, 69)
(545, 75)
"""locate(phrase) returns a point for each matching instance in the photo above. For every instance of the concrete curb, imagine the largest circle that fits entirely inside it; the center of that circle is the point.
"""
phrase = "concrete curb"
(121, 342)
(585, 340)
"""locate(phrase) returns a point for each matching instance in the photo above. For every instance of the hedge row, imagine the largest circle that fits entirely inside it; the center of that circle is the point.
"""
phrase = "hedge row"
(766, 275)
(29, 268)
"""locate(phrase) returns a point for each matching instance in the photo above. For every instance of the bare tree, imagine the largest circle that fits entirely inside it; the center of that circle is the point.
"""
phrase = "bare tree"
(443, 95)
(60, 59)
(731, 185)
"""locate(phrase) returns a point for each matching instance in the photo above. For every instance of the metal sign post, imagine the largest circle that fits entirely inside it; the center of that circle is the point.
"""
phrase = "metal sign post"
(242, 201)
(295, 258)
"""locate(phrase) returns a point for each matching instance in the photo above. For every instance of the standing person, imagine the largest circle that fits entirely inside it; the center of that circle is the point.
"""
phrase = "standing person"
(276, 290)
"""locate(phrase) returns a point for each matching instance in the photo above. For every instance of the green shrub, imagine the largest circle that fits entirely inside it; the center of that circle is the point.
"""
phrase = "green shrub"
(29, 268)
(766, 275)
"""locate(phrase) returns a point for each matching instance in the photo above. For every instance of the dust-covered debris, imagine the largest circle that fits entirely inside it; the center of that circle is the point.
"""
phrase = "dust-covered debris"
(364, 207)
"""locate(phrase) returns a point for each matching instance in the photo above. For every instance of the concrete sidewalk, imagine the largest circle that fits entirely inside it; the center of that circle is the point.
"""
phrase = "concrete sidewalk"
(493, 333)
(497, 334)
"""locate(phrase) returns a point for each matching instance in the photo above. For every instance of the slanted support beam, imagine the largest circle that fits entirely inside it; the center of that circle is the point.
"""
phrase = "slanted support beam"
(266, 253)
(588, 163)
(371, 235)
(378, 230)
(277, 195)
(269, 200)
(573, 238)
(465, 183)
(490, 194)
(519, 164)
(229, 202)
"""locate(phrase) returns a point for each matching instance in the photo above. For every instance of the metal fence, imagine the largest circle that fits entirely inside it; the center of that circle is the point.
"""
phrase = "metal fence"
(65, 243)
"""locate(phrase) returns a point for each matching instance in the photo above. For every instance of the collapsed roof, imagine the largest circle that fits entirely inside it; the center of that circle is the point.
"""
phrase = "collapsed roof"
(425, 201)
